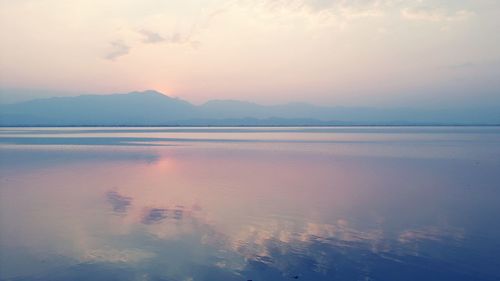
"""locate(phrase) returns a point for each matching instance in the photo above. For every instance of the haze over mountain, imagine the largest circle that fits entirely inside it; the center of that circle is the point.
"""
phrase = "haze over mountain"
(154, 108)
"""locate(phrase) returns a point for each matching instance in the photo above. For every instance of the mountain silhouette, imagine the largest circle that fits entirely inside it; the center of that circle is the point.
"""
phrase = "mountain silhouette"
(152, 108)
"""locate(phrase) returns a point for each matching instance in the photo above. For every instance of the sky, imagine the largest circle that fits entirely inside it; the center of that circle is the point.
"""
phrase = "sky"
(422, 53)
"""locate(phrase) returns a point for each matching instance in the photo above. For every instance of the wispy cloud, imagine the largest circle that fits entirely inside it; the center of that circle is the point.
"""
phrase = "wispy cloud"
(118, 49)
(177, 38)
(434, 14)
(484, 64)
(151, 37)
(462, 65)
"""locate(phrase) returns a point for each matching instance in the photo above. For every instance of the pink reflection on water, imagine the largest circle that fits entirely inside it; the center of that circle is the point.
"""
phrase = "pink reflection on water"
(240, 201)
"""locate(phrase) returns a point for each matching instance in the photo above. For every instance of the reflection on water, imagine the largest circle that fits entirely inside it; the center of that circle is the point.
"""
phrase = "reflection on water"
(249, 204)
(118, 202)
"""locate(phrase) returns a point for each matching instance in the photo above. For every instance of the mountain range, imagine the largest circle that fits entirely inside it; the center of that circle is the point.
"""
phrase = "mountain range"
(152, 108)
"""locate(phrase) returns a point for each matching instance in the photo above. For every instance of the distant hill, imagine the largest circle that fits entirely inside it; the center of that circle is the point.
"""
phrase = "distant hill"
(150, 108)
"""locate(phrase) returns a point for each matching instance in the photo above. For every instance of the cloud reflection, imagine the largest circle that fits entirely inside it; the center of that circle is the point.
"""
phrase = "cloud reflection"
(117, 255)
(119, 203)
(431, 234)
(154, 215)
(274, 249)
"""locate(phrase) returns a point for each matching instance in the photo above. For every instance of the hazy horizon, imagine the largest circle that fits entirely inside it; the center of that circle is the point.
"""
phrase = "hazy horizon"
(19, 95)
(381, 53)
(150, 108)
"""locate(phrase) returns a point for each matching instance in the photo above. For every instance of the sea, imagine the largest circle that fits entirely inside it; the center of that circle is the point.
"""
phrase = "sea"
(250, 203)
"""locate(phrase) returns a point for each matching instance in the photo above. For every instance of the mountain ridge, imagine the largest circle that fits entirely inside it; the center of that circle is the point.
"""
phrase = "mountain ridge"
(150, 107)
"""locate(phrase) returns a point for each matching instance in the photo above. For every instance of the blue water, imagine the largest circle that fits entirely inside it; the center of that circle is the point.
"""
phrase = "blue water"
(340, 203)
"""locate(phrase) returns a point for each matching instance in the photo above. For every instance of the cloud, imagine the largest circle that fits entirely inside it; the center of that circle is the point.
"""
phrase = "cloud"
(462, 65)
(195, 44)
(485, 64)
(434, 14)
(151, 37)
(188, 36)
(176, 38)
(316, 13)
(324, 5)
(119, 48)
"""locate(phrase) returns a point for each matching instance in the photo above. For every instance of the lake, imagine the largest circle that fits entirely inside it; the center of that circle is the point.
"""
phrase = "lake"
(187, 204)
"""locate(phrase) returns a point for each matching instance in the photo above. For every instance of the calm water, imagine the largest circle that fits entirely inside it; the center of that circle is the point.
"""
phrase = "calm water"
(250, 203)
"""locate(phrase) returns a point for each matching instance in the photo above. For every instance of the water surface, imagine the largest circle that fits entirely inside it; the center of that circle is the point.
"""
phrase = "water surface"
(346, 203)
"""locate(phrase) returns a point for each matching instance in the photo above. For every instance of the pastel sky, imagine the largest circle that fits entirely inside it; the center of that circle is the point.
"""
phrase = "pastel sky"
(339, 52)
